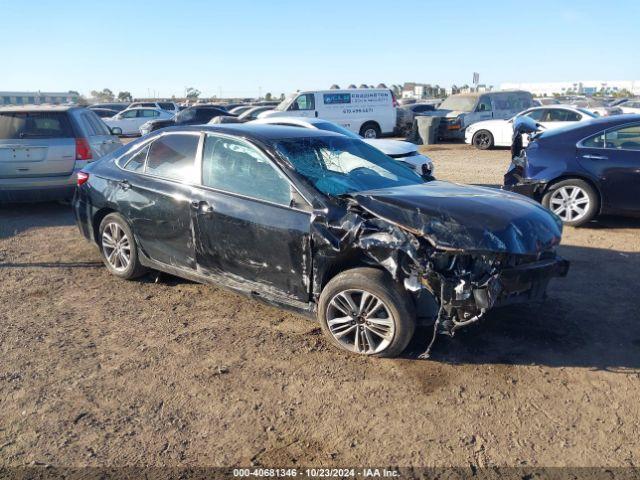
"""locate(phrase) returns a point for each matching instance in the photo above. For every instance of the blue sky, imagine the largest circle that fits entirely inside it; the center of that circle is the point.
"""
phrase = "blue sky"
(242, 47)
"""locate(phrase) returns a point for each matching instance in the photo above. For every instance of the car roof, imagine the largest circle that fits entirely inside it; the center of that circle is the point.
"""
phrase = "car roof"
(592, 126)
(292, 119)
(38, 108)
(256, 131)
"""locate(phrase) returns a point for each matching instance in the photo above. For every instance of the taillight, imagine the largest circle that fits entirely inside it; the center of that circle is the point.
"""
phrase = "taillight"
(83, 150)
(83, 177)
(393, 98)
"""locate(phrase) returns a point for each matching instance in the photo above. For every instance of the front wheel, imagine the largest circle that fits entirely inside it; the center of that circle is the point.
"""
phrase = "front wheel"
(365, 312)
(370, 130)
(482, 140)
(573, 200)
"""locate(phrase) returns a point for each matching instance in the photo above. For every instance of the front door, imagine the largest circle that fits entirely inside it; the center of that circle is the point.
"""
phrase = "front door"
(614, 157)
(246, 229)
(304, 106)
(156, 197)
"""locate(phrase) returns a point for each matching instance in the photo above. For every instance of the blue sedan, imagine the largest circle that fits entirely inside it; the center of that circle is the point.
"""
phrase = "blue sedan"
(584, 170)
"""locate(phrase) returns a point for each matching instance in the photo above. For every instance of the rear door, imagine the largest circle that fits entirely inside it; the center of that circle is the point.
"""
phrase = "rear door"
(98, 134)
(614, 158)
(36, 144)
(245, 225)
(154, 194)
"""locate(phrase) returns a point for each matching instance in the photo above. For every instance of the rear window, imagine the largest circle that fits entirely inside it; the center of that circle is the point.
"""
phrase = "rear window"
(166, 106)
(16, 125)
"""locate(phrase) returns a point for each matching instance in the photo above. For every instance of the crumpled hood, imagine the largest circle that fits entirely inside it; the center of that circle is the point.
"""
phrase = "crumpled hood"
(461, 217)
(392, 147)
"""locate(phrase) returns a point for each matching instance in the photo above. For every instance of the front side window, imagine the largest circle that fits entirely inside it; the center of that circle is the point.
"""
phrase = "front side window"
(484, 105)
(304, 102)
(561, 115)
(173, 156)
(130, 114)
(236, 167)
(148, 113)
(337, 165)
(536, 115)
(623, 138)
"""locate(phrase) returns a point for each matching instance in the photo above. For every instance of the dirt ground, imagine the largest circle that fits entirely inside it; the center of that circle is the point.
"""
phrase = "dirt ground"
(98, 371)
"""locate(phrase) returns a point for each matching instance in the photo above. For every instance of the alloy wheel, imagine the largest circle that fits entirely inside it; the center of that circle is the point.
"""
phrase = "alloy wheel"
(360, 321)
(116, 247)
(482, 140)
(570, 203)
(370, 133)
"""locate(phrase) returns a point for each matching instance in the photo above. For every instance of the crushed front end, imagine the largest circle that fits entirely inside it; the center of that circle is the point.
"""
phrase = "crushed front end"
(469, 249)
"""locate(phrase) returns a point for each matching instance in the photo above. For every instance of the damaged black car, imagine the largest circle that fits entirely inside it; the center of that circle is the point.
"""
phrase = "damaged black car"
(319, 223)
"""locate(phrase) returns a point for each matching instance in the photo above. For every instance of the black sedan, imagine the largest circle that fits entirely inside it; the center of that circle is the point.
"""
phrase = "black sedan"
(319, 223)
(583, 170)
(189, 116)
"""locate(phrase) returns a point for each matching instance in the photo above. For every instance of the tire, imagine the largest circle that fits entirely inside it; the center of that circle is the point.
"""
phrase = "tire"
(115, 235)
(394, 321)
(483, 140)
(573, 200)
(370, 130)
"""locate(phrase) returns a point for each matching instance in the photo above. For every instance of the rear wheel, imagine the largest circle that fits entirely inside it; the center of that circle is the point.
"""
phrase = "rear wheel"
(370, 130)
(573, 200)
(118, 248)
(365, 312)
(482, 140)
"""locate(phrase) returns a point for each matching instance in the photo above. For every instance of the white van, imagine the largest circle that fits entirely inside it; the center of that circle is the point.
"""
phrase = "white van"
(369, 112)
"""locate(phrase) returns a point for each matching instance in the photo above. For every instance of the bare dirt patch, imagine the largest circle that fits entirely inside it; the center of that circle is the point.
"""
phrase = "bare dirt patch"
(98, 371)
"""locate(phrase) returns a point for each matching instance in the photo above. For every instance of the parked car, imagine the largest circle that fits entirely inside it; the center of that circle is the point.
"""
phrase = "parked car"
(632, 106)
(253, 113)
(369, 112)
(117, 106)
(407, 114)
(583, 170)
(197, 115)
(460, 111)
(320, 223)
(129, 121)
(105, 112)
(170, 107)
(240, 109)
(405, 152)
(43, 147)
(499, 133)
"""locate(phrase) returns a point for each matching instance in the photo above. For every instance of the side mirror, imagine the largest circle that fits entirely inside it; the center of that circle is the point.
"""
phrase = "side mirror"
(116, 131)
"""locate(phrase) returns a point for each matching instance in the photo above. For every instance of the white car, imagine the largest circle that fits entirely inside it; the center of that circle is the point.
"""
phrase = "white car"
(131, 119)
(405, 152)
(631, 106)
(170, 107)
(499, 133)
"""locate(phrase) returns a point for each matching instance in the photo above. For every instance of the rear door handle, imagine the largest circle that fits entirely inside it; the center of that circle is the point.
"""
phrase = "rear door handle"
(596, 157)
(202, 206)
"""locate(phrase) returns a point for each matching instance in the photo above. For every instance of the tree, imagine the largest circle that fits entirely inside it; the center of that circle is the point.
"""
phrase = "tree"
(105, 95)
(267, 97)
(125, 96)
(282, 96)
(193, 93)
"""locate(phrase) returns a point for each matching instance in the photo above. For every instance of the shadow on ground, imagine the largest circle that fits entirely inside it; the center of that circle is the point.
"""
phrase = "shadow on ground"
(590, 319)
(19, 217)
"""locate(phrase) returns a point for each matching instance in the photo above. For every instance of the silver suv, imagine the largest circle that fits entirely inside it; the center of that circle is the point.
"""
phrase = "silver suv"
(43, 147)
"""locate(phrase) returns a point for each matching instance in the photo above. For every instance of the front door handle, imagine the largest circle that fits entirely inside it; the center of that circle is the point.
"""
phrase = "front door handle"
(595, 157)
(124, 184)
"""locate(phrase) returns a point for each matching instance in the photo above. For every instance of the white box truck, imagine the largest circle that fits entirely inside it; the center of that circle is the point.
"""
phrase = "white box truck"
(369, 112)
